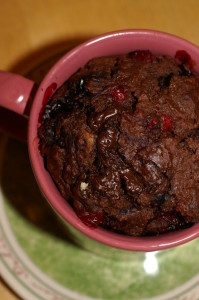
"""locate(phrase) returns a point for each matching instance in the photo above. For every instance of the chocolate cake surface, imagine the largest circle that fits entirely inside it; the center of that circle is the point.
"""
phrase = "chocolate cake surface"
(120, 139)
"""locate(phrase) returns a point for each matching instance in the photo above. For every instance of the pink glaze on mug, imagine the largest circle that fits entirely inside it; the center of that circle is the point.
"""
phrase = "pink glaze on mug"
(119, 42)
(15, 91)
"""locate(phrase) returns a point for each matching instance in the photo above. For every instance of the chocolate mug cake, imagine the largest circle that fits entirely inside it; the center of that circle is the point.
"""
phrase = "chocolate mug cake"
(120, 139)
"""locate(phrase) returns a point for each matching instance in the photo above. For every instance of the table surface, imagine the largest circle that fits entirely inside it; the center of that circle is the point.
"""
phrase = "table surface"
(33, 28)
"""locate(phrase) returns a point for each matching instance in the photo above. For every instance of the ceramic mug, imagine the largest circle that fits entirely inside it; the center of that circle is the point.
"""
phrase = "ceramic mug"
(16, 90)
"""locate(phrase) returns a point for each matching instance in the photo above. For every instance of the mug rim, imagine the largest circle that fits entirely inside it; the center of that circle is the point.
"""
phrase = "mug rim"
(45, 182)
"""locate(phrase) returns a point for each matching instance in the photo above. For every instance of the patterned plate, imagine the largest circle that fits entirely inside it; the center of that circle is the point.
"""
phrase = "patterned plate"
(39, 259)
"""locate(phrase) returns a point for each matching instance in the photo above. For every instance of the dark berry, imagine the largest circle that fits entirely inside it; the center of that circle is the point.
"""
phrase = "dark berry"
(164, 81)
(82, 88)
(134, 101)
(47, 95)
(166, 122)
(142, 55)
(81, 84)
(184, 71)
(65, 104)
(185, 58)
(161, 198)
(118, 94)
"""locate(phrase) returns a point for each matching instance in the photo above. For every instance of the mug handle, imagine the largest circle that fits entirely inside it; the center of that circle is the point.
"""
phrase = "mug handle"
(15, 91)
(16, 95)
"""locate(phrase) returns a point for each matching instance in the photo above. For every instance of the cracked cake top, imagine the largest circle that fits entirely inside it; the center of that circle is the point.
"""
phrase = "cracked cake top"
(120, 139)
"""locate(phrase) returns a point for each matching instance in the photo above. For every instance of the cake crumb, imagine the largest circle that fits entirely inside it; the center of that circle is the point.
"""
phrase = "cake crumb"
(83, 186)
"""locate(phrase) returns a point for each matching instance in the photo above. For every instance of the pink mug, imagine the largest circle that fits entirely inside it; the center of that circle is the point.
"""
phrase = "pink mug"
(16, 90)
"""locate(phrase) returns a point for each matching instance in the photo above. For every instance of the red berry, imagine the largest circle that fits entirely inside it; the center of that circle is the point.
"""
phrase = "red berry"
(90, 218)
(143, 55)
(48, 93)
(152, 124)
(167, 122)
(118, 94)
(164, 120)
(185, 59)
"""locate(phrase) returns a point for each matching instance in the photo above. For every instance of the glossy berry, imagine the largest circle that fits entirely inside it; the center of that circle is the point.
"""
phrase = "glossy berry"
(185, 59)
(142, 55)
(166, 122)
(48, 93)
(118, 94)
(90, 218)
(184, 71)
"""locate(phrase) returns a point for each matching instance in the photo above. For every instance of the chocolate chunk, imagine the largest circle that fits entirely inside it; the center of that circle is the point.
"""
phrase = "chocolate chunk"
(164, 81)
